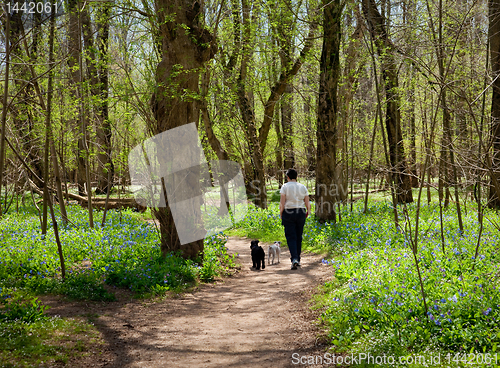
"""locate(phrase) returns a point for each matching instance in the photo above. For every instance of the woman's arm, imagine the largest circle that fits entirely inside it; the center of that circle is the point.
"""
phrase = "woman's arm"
(308, 205)
(282, 203)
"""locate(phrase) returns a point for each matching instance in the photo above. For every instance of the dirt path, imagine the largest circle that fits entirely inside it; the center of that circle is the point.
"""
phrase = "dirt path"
(252, 319)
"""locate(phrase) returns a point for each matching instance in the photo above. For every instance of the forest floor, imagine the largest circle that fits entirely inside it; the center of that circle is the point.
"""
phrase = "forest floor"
(251, 319)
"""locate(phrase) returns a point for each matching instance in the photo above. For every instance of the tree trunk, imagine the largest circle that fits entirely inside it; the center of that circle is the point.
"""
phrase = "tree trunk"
(494, 39)
(346, 94)
(105, 168)
(75, 50)
(46, 107)
(186, 46)
(327, 183)
(409, 20)
(255, 180)
(442, 173)
(91, 76)
(279, 151)
(48, 132)
(285, 41)
(214, 142)
(255, 183)
(83, 145)
(54, 159)
(287, 129)
(212, 138)
(413, 136)
(447, 141)
(4, 101)
(310, 148)
(376, 25)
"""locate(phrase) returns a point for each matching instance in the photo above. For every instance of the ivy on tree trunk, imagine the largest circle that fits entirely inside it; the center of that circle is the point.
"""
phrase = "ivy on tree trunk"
(185, 47)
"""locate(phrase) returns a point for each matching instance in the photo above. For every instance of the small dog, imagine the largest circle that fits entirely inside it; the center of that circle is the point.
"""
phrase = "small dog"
(274, 250)
(258, 255)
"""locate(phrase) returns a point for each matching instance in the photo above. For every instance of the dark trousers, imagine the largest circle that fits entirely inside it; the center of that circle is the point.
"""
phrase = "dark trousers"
(293, 220)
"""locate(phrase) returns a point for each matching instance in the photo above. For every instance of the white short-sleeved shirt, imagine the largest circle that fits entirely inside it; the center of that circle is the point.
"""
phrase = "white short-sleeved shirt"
(295, 194)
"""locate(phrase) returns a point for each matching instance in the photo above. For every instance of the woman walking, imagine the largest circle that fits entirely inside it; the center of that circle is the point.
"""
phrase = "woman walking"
(294, 209)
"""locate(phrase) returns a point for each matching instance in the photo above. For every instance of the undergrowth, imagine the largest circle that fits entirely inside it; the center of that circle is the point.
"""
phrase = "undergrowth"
(29, 338)
(124, 253)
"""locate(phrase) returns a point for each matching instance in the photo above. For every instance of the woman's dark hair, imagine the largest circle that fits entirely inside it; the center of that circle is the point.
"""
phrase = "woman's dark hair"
(292, 174)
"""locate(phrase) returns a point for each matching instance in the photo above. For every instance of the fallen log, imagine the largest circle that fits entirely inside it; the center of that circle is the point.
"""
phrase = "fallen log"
(113, 203)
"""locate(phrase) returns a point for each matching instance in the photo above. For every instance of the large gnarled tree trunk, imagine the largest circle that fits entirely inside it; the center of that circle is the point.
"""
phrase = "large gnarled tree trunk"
(185, 47)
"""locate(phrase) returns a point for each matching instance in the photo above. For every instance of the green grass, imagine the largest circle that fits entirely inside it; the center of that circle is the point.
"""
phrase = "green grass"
(45, 342)
(264, 225)
(29, 338)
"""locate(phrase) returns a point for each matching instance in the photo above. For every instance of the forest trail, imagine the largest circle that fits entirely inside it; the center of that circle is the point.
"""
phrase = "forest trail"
(251, 319)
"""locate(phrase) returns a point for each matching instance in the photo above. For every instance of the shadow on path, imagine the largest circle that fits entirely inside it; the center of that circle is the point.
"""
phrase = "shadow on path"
(251, 319)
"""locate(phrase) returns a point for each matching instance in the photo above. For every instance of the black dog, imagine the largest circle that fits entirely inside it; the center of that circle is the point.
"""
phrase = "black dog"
(258, 255)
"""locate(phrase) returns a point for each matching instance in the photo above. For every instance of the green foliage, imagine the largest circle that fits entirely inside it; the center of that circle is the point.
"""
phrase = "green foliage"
(84, 285)
(44, 342)
(28, 336)
(377, 292)
(261, 224)
(141, 274)
(123, 253)
(14, 308)
(216, 260)
(275, 196)
(374, 303)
